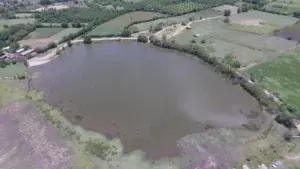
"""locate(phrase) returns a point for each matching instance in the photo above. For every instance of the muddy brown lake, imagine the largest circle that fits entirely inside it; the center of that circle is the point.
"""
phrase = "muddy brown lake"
(146, 96)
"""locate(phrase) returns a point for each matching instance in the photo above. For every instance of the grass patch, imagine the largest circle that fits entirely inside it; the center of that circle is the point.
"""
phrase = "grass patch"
(11, 70)
(65, 32)
(116, 25)
(282, 76)
(43, 33)
(265, 29)
(15, 21)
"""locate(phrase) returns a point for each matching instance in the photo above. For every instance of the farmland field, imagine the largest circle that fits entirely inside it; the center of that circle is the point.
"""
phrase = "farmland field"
(284, 7)
(65, 32)
(282, 76)
(247, 47)
(196, 15)
(43, 33)
(268, 18)
(15, 21)
(265, 29)
(116, 25)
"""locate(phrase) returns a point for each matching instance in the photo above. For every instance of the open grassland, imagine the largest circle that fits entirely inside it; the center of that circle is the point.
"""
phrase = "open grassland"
(171, 20)
(268, 18)
(13, 70)
(116, 25)
(283, 6)
(43, 33)
(65, 32)
(290, 32)
(282, 76)
(221, 41)
(265, 29)
(15, 21)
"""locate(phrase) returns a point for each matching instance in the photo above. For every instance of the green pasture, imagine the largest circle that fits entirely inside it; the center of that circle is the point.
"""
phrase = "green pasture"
(282, 76)
(65, 32)
(43, 32)
(15, 21)
(265, 29)
(116, 25)
(283, 7)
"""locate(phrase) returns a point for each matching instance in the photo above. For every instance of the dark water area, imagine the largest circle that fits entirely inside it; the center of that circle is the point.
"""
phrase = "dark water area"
(148, 97)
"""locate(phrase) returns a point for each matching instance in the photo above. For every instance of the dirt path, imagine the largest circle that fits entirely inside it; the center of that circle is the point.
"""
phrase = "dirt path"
(53, 52)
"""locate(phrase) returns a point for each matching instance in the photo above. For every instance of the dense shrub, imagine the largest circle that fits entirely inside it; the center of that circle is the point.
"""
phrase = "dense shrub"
(87, 40)
(69, 43)
(126, 33)
(227, 12)
(142, 38)
(285, 119)
(64, 25)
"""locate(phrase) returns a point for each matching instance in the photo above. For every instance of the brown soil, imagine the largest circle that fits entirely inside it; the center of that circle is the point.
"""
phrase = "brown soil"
(36, 43)
(28, 141)
(251, 22)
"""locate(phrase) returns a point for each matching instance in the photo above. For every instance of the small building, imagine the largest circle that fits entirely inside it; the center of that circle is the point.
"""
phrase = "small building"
(26, 52)
(20, 50)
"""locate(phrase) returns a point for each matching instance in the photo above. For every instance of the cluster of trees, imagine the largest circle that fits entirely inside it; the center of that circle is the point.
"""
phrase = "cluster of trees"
(6, 13)
(48, 2)
(12, 34)
(80, 15)
(142, 38)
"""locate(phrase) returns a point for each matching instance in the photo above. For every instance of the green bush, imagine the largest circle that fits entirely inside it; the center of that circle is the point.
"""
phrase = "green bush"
(227, 12)
(285, 119)
(87, 40)
(142, 38)
(126, 33)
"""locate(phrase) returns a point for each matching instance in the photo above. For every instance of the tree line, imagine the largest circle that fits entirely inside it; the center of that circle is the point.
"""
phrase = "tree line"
(10, 35)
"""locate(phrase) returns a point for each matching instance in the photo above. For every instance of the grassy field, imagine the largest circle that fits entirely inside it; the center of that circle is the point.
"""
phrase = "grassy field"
(196, 15)
(247, 47)
(265, 29)
(65, 32)
(15, 21)
(116, 25)
(13, 70)
(268, 18)
(282, 76)
(43, 33)
(283, 6)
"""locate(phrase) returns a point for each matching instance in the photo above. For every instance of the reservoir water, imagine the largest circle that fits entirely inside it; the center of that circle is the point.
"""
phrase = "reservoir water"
(148, 97)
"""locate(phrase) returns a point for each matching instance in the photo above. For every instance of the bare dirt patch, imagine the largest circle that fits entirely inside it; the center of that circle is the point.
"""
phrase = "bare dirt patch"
(28, 141)
(250, 22)
(55, 6)
(37, 43)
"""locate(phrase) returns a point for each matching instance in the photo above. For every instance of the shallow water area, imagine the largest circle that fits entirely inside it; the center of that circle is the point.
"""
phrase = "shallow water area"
(146, 96)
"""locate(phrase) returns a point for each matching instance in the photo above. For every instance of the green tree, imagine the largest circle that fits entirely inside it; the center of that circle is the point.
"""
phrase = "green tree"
(52, 45)
(64, 25)
(227, 12)
(142, 38)
(285, 119)
(69, 43)
(87, 40)
(45, 2)
(126, 33)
